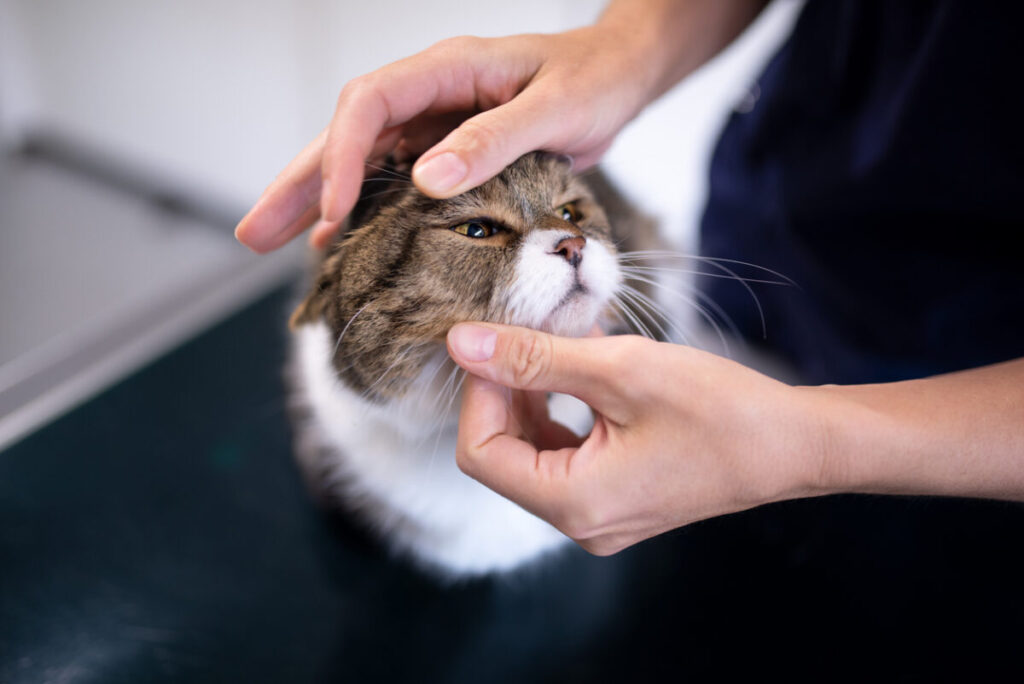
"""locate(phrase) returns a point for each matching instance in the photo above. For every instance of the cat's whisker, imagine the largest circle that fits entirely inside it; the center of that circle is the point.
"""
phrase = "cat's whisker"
(753, 295)
(696, 305)
(720, 265)
(451, 389)
(713, 312)
(687, 271)
(438, 421)
(426, 382)
(382, 193)
(632, 319)
(383, 169)
(708, 308)
(402, 356)
(613, 308)
(356, 362)
(341, 335)
(655, 310)
(653, 313)
(378, 179)
(656, 254)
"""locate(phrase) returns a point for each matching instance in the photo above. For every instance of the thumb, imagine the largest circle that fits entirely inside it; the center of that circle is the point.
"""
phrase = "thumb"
(488, 142)
(527, 359)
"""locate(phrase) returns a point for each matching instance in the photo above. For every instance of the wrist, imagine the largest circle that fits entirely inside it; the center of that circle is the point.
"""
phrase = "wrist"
(667, 39)
(650, 38)
(834, 433)
(887, 439)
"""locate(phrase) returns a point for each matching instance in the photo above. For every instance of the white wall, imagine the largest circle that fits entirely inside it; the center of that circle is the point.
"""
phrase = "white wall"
(216, 97)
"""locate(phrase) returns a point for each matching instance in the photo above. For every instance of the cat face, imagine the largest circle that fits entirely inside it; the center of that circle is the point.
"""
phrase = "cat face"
(530, 247)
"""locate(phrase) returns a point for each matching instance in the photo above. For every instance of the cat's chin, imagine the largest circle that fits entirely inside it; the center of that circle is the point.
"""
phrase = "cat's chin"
(573, 318)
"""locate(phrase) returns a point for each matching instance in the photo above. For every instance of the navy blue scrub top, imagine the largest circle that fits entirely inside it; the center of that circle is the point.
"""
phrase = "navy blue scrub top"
(882, 169)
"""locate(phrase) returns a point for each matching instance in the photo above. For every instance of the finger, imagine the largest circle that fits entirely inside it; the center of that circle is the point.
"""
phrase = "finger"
(426, 131)
(437, 80)
(324, 230)
(291, 204)
(490, 450)
(488, 142)
(531, 411)
(283, 210)
(584, 160)
(527, 359)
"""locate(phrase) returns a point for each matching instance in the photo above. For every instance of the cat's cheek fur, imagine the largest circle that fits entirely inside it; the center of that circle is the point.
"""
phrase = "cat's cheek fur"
(402, 477)
(546, 292)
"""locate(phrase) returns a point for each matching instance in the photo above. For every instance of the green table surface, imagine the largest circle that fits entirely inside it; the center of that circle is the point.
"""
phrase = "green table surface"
(160, 533)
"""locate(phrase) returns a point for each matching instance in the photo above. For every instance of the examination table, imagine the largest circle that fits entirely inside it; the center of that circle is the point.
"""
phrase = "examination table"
(161, 533)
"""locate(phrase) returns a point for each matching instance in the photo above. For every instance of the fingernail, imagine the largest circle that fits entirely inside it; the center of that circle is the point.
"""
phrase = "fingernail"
(472, 342)
(254, 241)
(440, 174)
(322, 233)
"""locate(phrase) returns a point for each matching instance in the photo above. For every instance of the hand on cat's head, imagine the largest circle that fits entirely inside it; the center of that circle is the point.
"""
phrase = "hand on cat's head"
(467, 107)
(679, 435)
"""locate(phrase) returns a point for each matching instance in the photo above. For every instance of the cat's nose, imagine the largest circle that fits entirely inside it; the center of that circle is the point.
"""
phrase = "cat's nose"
(571, 249)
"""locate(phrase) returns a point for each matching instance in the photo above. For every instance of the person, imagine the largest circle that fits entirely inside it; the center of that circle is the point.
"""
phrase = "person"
(880, 168)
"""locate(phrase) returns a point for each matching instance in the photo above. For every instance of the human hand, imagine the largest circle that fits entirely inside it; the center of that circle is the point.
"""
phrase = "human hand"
(568, 93)
(679, 435)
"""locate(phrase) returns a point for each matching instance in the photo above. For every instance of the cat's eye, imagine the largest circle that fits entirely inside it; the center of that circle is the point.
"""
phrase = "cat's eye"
(570, 212)
(476, 229)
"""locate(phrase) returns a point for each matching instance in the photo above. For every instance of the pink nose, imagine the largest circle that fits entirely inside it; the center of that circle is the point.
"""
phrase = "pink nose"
(571, 249)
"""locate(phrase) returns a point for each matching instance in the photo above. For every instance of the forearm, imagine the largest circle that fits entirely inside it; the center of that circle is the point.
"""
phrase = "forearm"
(960, 434)
(671, 38)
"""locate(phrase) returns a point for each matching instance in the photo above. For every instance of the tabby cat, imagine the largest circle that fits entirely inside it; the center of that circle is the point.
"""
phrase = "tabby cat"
(374, 392)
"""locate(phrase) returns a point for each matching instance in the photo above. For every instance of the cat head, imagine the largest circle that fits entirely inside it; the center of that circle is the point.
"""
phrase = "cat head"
(530, 247)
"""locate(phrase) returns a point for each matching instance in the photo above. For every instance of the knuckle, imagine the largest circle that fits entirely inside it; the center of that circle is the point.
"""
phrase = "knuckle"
(466, 459)
(480, 137)
(529, 358)
(456, 45)
(624, 352)
(356, 89)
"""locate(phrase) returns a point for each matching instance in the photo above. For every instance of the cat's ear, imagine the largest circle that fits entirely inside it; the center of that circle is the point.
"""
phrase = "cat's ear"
(310, 310)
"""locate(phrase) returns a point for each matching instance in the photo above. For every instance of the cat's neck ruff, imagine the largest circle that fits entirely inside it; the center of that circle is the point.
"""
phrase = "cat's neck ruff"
(430, 402)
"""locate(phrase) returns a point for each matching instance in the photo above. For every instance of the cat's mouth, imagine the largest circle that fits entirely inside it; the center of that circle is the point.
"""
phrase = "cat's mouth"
(578, 289)
(575, 314)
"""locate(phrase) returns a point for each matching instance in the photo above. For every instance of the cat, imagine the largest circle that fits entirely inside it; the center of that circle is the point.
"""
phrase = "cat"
(374, 393)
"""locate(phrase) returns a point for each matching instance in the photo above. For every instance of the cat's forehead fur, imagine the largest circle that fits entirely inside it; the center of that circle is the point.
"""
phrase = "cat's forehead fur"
(398, 278)
(524, 191)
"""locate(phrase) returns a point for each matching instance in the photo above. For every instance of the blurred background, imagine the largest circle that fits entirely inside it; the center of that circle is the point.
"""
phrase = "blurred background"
(134, 135)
